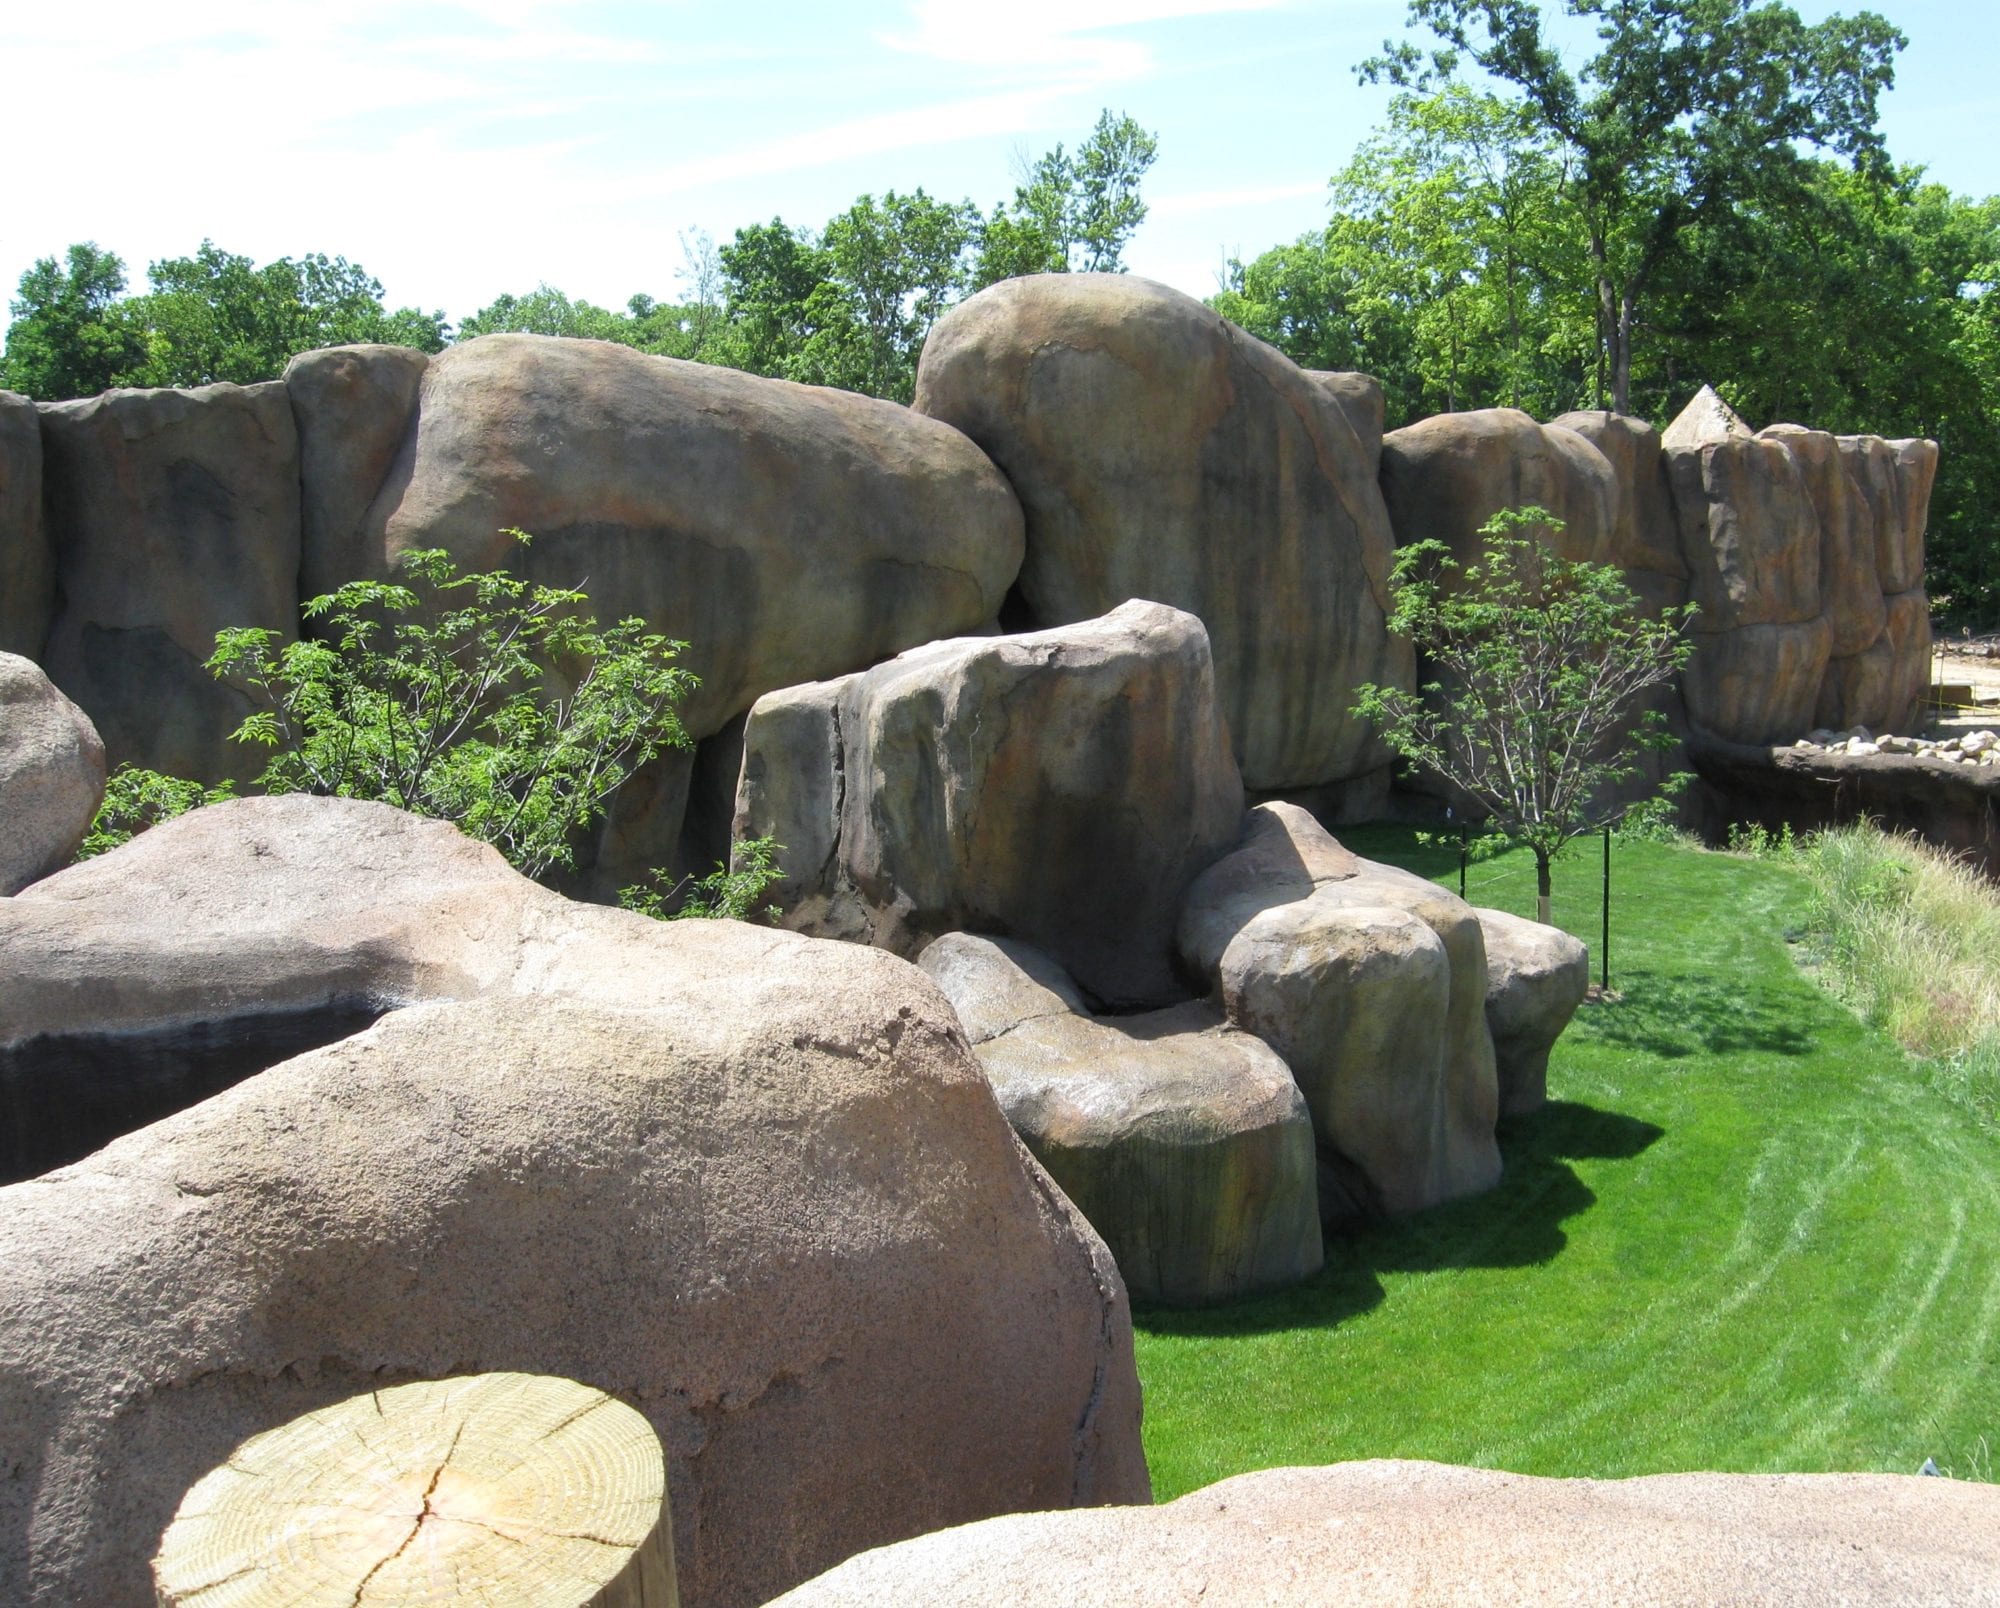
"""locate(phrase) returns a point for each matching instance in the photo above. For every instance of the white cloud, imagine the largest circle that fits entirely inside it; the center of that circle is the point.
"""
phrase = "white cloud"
(1057, 38)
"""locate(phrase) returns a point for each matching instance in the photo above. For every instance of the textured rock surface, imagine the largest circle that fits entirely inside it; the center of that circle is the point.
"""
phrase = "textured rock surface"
(1851, 590)
(1645, 534)
(754, 1185)
(51, 775)
(1444, 477)
(353, 406)
(1758, 683)
(1895, 479)
(27, 563)
(1370, 982)
(1373, 1535)
(173, 514)
(785, 532)
(1750, 534)
(1061, 787)
(1184, 1142)
(1161, 453)
(1536, 976)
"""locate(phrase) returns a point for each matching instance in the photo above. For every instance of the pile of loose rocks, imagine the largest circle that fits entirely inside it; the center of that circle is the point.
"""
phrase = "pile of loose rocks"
(1967, 748)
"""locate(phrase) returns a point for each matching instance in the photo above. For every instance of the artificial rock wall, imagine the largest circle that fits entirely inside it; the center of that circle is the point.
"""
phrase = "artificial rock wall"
(1077, 440)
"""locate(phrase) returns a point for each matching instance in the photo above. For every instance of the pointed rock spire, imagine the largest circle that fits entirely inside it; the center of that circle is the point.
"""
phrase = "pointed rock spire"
(1706, 418)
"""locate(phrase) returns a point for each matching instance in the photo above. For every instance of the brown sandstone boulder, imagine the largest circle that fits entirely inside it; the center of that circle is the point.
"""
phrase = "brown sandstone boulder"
(753, 1185)
(1850, 587)
(1370, 982)
(785, 532)
(1757, 683)
(1183, 1141)
(1894, 478)
(1061, 787)
(51, 775)
(353, 406)
(1161, 453)
(173, 514)
(1359, 398)
(1536, 976)
(1909, 634)
(1387, 1534)
(1645, 536)
(1749, 532)
(1445, 476)
(27, 562)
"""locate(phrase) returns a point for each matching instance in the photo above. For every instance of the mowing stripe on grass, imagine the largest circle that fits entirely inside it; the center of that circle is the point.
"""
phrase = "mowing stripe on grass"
(1746, 1234)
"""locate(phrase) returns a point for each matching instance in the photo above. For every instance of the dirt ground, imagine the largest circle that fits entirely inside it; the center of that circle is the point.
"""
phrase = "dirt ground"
(1968, 659)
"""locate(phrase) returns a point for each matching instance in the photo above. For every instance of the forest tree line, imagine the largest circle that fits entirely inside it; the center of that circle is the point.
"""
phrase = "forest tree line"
(1708, 199)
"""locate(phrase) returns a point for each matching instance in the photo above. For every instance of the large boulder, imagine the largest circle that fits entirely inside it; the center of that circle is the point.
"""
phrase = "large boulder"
(1370, 982)
(1445, 476)
(27, 562)
(1536, 976)
(1062, 787)
(1895, 479)
(784, 532)
(1750, 534)
(353, 406)
(174, 515)
(1161, 453)
(1645, 535)
(1385, 1534)
(1184, 1141)
(51, 775)
(754, 1185)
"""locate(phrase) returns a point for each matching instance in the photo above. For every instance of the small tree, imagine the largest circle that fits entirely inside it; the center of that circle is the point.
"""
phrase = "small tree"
(1539, 661)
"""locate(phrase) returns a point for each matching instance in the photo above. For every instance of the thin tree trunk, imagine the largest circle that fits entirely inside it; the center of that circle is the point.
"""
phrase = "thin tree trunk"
(1542, 889)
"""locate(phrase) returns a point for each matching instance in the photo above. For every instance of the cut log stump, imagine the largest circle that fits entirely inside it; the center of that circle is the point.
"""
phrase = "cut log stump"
(495, 1489)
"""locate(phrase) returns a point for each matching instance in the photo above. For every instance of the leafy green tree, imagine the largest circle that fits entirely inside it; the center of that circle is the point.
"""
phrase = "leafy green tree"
(1690, 110)
(212, 316)
(436, 697)
(218, 316)
(769, 274)
(893, 268)
(1072, 213)
(72, 334)
(1538, 662)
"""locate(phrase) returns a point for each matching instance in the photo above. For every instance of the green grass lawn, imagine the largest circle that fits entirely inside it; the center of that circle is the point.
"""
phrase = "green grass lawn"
(1746, 1233)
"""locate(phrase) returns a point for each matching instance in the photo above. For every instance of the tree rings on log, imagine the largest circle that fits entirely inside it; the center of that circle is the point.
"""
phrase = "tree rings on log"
(502, 1490)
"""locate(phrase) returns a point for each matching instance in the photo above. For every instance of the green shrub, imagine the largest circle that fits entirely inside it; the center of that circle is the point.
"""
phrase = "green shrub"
(482, 699)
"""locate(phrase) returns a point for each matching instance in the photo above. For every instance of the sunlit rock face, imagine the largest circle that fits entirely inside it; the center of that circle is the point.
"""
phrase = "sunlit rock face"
(1161, 453)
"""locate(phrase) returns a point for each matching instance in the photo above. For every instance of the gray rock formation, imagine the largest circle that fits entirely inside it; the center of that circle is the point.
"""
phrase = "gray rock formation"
(1061, 787)
(354, 406)
(1370, 982)
(173, 514)
(1751, 538)
(27, 562)
(1161, 453)
(785, 532)
(51, 775)
(1183, 1141)
(1536, 976)
(1645, 535)
(1386, 1534)
(754, 1185)
(1444, 477)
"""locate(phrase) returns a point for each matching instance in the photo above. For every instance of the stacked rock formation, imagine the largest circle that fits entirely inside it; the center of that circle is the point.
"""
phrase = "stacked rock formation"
(752, 1184)
(1053, 822)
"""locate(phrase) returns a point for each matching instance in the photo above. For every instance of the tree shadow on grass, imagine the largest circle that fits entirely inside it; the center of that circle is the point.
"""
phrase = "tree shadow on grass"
(1676, 1016)
(1519, 1223)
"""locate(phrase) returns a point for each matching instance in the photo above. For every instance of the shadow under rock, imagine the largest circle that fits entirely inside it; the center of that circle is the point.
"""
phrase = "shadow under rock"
(1517, 1223)
(1675, 1016)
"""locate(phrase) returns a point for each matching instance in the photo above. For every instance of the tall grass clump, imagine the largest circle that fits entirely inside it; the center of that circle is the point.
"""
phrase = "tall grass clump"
(1910, 937)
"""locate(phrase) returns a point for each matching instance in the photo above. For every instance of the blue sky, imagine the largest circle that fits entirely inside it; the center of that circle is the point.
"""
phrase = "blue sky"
(461, 148)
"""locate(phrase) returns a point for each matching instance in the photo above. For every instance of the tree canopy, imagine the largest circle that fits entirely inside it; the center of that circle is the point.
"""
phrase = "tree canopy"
(1690, 110)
